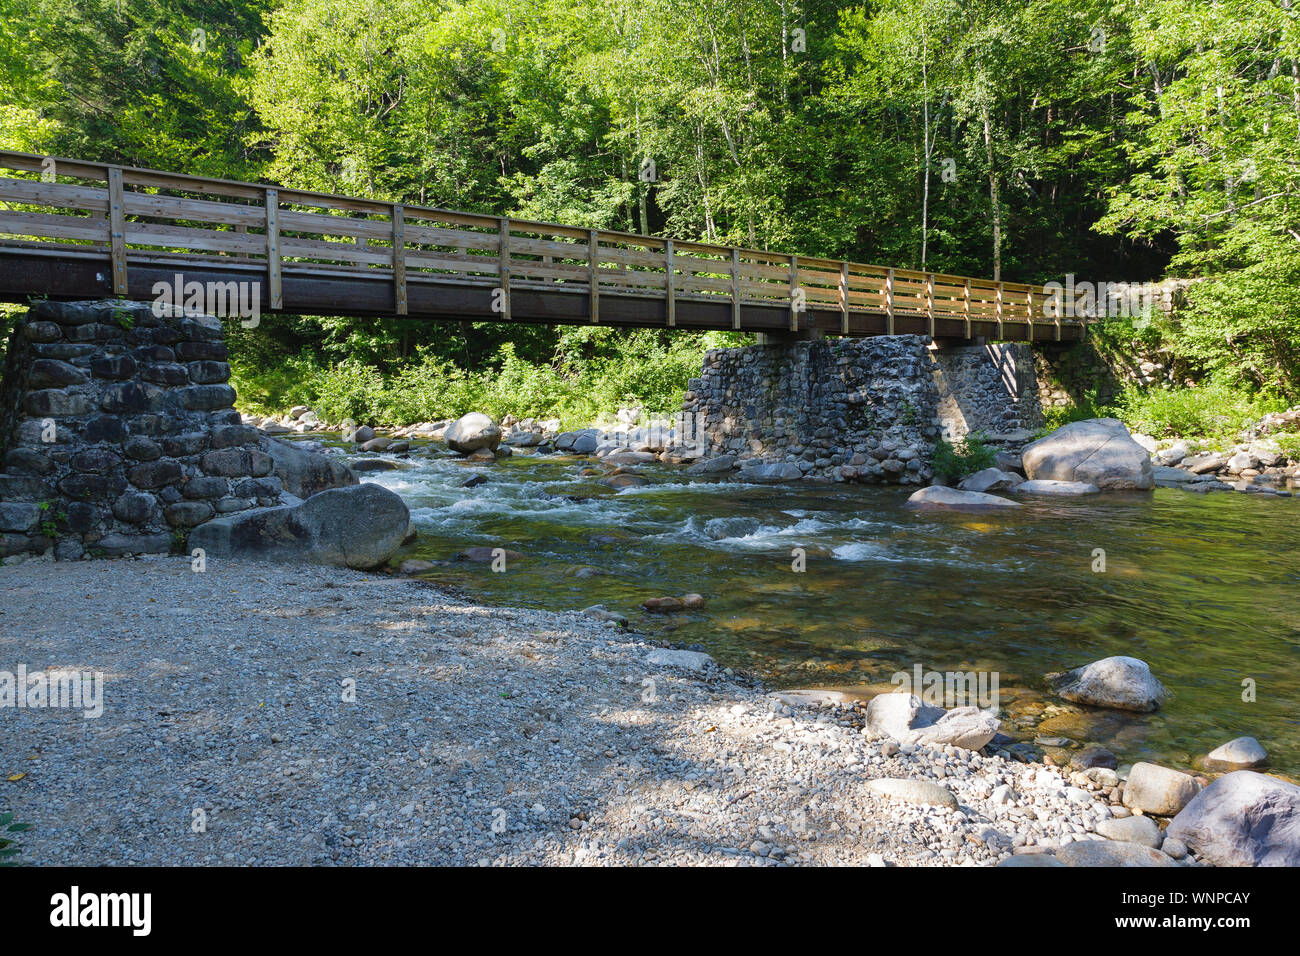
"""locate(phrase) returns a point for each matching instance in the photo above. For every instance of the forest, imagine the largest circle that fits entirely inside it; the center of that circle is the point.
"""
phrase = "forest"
(1113, 141)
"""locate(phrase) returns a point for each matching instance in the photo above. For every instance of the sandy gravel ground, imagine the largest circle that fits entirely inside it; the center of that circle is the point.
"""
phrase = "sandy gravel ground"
(477, 736)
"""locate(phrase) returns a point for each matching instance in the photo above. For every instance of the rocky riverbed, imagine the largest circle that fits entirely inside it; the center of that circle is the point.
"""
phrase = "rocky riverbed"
(270, 714)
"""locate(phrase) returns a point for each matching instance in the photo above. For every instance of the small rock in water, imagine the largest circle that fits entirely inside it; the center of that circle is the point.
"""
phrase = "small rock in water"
(1240, 754)
(1123, 683)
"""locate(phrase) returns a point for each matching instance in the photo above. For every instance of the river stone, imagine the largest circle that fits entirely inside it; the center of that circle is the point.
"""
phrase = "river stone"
(1098, 451)
(1243, 818)
(1111, 853)
(894, 715)
(812, 697)
(305, 473)
(600, 613)
(360, 526)
(1094, 757)
(1042, 486)
(921, 792)
(1122, 683)
(484, 555)
(967, 727)
(1166, 477)
(770, 472)
(990, 479)
(938, 496)
(1133, 829)
(472, 432)
(1032, 859)
(692, 661)
(1155, 789)
(1240, 754)
(713, 466)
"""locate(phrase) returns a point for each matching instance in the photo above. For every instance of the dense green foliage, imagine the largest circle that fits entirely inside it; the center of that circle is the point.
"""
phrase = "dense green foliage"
(955, 460)
(1022, 140)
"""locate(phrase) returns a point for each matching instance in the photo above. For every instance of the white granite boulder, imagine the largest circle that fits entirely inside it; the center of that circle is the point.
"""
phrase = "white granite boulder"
(1242, 819)
(1098, 451)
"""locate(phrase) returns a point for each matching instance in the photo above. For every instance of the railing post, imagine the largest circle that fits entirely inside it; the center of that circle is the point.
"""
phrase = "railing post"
(276, 292)
(794, 290)
(889, 300)
(1056, 315)
(399, 258)
(593, 275)
(999, 308)
(735, 288)
(669, 288)
(965, 305)
(117, 229)
(929, 300)
(844, 298)
(1029, 301)
(503, 264)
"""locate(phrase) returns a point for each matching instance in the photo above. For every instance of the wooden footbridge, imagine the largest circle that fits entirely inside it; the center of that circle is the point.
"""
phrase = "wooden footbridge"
(71, 229)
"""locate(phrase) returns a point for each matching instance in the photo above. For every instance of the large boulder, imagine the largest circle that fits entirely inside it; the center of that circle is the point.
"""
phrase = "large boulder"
(1121, 683)
(1243, 819)
(361, 526)
(941, 498)
(304, 473)
(1099, 451)
(472, 432)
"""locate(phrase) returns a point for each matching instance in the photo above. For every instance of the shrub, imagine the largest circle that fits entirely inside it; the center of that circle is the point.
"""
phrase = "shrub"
(1212, 410)
(956, 460)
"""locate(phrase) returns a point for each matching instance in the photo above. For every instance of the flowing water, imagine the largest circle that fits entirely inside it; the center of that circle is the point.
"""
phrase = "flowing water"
(1202, 587)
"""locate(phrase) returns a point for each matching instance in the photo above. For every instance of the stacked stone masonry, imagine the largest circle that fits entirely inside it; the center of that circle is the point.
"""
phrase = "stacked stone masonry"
(866, 410)
(118, 433)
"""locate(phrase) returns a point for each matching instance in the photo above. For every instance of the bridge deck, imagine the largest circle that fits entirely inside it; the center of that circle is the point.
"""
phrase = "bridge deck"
(71, 229)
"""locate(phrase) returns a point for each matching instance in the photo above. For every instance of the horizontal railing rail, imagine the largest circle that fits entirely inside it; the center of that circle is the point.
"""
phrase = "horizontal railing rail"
(136, 216)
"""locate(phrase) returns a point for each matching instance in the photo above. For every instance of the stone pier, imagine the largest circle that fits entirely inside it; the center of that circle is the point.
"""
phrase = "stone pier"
(865, 410)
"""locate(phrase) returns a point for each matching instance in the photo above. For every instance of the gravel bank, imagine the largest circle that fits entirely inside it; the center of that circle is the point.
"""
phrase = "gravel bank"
(477, 736)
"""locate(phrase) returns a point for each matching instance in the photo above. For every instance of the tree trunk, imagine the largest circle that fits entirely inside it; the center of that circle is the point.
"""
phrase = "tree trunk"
(993, 198)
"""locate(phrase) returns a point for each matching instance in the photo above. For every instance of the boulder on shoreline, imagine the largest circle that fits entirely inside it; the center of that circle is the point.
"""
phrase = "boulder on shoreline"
(1242, 819)
(1098, 451)
(360, 527)
(1121, 683)
(304, 473)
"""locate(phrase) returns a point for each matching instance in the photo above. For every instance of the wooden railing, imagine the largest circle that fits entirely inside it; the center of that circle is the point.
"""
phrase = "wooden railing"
(136, 216)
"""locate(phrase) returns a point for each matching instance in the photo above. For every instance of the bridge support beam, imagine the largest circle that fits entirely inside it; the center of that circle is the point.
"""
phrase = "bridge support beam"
(789, 338)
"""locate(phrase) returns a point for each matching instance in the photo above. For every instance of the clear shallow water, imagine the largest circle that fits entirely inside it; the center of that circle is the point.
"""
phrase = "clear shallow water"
(1202, 587)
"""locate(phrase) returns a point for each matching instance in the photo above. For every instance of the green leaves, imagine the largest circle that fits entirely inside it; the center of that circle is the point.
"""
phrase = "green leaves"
(8, 849)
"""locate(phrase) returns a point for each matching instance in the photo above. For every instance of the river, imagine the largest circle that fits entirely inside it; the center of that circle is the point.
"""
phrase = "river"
(1202, 587)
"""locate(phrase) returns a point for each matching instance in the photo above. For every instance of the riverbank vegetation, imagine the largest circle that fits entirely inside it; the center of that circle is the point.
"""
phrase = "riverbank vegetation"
(1023, 141)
